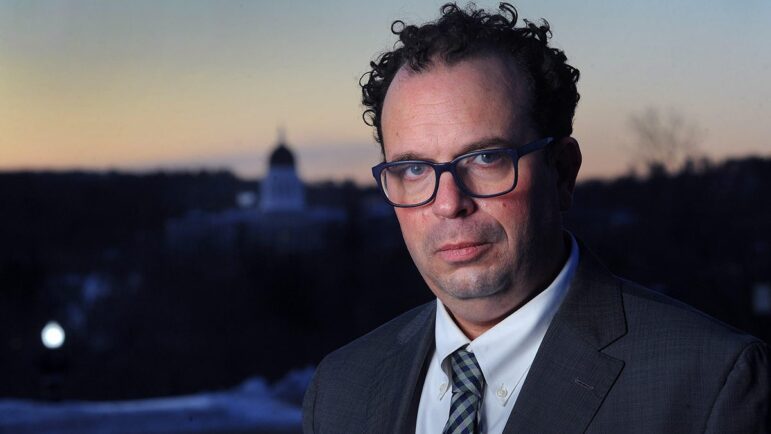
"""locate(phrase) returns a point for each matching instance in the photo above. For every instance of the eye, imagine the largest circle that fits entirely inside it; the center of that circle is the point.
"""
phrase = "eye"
(487, 158)
(413, 171)
(409, 171)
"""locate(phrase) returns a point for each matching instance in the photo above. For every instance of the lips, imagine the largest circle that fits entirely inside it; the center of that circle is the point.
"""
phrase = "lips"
(463, 251)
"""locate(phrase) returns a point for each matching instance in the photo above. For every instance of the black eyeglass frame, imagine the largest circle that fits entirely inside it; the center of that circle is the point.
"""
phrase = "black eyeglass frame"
(451, 166)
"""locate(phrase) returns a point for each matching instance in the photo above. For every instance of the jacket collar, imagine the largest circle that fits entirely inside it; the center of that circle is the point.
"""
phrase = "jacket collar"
(570, 376)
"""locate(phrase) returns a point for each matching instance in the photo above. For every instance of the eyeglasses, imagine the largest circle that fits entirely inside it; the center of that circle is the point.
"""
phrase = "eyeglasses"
(480, 174)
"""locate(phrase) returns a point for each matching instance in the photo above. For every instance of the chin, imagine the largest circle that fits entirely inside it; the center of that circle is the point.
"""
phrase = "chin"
(470, 286)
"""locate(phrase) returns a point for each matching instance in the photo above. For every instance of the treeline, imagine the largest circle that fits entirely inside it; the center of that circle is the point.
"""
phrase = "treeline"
(74, 213)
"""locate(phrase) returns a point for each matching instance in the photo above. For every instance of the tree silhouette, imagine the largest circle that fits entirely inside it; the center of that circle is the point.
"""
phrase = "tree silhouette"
(666, 141)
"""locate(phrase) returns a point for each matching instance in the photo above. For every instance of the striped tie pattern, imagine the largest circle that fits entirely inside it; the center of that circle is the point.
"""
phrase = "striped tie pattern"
(467, 386)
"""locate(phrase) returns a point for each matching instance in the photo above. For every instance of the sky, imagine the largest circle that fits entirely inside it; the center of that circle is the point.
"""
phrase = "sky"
(183, 84)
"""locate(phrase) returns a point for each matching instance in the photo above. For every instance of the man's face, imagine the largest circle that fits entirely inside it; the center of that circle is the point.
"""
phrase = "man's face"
(468, 248)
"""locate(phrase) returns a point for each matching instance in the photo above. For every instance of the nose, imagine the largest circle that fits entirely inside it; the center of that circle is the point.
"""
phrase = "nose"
(450, 201)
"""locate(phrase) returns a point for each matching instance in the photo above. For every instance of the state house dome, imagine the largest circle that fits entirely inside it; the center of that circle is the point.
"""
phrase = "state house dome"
(282, 190)
(281, 156)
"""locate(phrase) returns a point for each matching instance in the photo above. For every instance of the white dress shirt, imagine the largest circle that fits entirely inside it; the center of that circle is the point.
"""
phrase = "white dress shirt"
(504, 352)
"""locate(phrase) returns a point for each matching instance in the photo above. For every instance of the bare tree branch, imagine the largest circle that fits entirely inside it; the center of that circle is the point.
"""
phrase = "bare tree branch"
(664, 141)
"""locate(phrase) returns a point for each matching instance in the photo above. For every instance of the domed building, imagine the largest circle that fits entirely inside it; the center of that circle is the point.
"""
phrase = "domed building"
(281, 189)
(278, 217)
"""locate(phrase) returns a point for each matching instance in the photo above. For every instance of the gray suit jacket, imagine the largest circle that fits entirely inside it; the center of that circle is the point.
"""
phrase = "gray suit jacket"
(617, 358)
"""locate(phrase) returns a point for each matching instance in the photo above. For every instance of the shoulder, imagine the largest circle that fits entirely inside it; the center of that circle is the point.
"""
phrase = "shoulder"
(655, 315)
(715, 375)
(668, 337)
(345, 379)
(376, 346)
(683, 370)
(642, 317)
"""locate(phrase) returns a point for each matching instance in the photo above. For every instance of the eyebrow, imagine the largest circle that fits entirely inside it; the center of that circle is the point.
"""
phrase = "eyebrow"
(471, 147)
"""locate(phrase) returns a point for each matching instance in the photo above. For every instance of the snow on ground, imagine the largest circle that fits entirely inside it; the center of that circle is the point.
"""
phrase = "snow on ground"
(254, 406)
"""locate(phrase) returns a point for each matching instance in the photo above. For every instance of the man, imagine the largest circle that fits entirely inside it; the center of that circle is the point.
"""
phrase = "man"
(529, 333)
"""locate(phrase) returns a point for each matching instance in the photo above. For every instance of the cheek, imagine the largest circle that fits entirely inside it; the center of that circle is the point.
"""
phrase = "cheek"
(412, 223)
(508, 209)
(515, 215)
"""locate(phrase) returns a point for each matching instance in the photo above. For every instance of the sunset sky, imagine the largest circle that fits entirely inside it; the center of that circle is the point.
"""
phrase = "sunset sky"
(187, 84)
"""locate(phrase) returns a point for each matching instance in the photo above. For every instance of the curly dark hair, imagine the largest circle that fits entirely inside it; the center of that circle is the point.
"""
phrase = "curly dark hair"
(461, 33)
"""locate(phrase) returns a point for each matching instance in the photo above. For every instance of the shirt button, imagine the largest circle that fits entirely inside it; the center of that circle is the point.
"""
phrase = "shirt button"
(502, 392)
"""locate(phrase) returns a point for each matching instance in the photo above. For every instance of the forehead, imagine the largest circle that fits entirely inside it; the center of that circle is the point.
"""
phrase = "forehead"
(437, 112)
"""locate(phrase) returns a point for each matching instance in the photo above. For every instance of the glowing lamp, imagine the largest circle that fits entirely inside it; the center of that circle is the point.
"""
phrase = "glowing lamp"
(52, 335)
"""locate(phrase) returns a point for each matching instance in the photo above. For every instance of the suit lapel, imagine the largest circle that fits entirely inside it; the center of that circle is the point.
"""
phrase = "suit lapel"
(570, 376)
(395, 393)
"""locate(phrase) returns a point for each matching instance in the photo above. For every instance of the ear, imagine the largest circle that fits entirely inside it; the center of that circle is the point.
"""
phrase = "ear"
(566, 157)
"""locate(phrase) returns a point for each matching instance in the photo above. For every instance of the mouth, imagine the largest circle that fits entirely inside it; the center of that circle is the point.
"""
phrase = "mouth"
(458, 253)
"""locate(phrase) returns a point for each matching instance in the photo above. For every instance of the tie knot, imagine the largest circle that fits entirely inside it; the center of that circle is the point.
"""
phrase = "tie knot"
(467, 376)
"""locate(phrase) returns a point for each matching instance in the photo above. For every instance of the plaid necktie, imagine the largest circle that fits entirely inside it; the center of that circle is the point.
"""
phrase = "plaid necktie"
(467, 386)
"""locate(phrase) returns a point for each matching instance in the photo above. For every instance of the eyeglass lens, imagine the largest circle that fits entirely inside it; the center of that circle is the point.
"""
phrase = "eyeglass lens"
(481, 174)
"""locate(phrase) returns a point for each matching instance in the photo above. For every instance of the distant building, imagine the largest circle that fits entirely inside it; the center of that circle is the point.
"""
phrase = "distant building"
(277, 217)
(281, 189)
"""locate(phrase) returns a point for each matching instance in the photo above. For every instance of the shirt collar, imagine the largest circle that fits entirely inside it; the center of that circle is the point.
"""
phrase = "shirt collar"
(503, 352)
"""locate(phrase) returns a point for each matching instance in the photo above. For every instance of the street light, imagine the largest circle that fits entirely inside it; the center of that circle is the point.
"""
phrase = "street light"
(52, 335)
